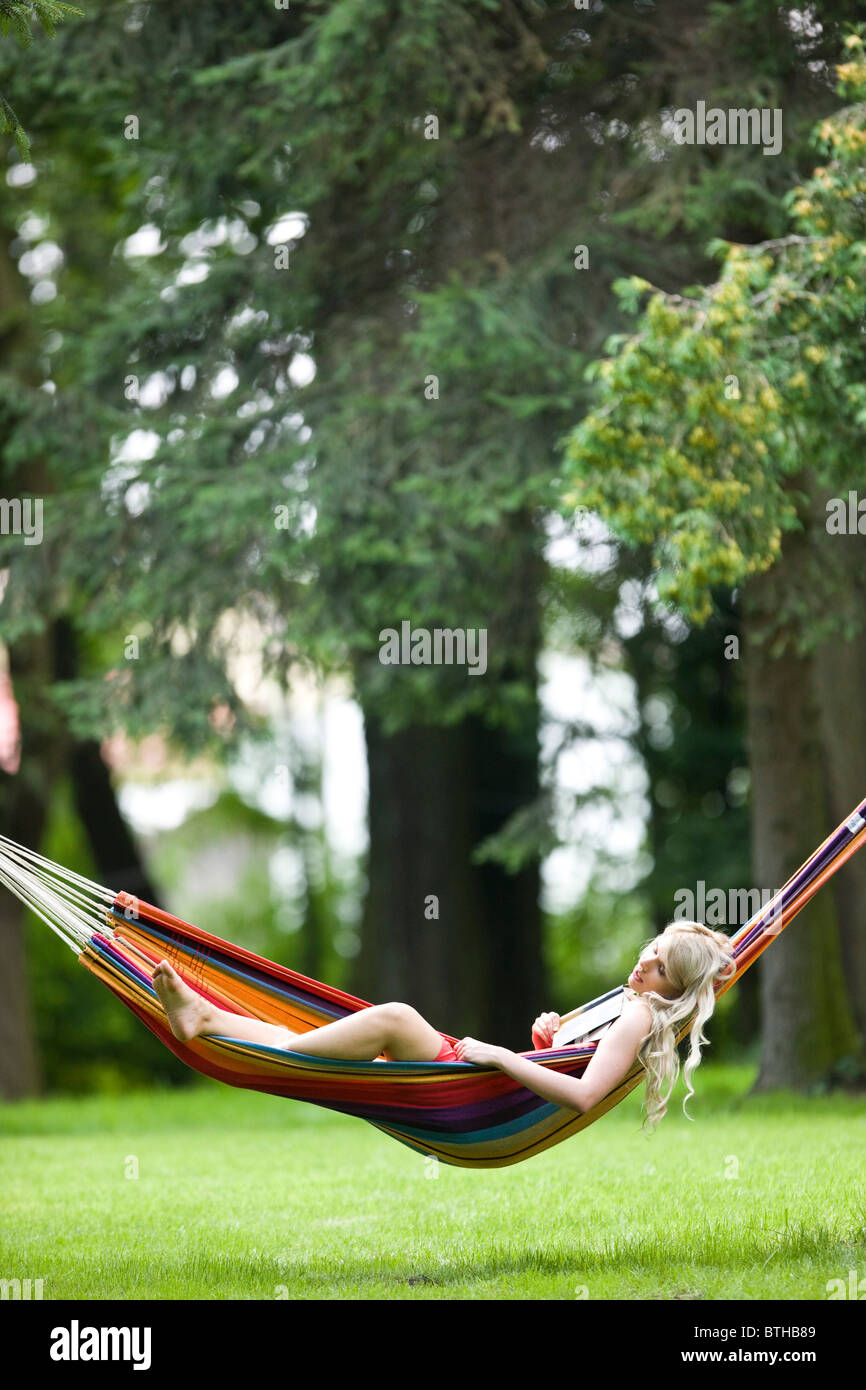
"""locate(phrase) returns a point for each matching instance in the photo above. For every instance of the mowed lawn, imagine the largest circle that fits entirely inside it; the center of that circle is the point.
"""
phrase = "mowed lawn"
(239, 1195)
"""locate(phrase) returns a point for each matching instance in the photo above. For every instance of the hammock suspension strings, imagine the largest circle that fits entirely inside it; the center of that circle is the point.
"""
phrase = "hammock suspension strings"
(71, 905)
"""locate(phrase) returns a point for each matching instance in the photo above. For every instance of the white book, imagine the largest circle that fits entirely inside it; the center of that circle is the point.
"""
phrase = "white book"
(588, 1022)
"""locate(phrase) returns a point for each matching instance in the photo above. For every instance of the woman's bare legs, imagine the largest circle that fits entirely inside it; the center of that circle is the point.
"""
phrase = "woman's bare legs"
(395, 1029)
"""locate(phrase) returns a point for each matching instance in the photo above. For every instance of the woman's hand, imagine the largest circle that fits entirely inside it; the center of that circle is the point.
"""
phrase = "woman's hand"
(543, 1030)
(481, 1053)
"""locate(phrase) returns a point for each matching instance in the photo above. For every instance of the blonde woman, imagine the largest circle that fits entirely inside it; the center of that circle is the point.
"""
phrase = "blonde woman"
(674, 978)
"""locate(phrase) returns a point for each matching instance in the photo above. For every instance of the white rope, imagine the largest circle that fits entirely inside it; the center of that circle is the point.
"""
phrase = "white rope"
(92, 898)
(73, 925)
(73, 939)
(71, 905)
(30, 856)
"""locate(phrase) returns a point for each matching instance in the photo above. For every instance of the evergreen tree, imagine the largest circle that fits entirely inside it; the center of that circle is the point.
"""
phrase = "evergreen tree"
(408, 197)
(761, 375)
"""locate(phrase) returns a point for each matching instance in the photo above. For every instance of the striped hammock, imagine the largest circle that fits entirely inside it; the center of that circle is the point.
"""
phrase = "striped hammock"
(459, 1113)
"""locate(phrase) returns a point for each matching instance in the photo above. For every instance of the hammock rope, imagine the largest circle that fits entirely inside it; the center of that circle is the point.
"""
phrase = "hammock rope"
(462, 1114)
(77, 905)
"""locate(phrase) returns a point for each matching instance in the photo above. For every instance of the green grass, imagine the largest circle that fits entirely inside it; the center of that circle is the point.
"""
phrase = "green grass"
(240, 1195)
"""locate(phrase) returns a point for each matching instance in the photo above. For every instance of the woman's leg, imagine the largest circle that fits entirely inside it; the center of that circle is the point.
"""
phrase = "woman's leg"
(191, 1016)
(395, 1029)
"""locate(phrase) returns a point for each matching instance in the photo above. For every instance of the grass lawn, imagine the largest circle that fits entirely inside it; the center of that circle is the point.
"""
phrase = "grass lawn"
(239, 1195)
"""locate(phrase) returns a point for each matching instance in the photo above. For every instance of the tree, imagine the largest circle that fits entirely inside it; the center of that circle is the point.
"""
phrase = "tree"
(721, 427)
(301, 209)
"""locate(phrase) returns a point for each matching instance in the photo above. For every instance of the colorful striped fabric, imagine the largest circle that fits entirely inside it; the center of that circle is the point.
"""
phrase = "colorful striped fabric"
(461, 1114)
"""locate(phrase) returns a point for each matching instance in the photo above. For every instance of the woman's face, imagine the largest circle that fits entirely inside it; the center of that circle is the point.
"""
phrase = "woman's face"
(650, 973)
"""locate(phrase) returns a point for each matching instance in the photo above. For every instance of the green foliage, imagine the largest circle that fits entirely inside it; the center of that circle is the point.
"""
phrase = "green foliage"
(421, 509)
(395, 505)
(416, 260)
(708, 412)
(17, 17)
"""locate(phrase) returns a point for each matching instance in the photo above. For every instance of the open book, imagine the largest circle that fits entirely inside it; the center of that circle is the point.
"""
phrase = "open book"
(590, 1020)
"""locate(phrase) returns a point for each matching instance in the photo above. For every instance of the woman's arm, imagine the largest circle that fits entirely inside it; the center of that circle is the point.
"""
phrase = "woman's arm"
(613, 1060)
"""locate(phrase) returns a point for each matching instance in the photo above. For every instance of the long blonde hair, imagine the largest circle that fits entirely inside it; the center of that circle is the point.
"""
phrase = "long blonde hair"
(695, 959)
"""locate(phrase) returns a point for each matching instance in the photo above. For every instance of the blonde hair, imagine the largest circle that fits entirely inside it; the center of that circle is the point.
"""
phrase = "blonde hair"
(696, 957)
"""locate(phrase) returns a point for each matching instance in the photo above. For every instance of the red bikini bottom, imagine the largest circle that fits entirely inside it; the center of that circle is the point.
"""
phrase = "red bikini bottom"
(446, 1053)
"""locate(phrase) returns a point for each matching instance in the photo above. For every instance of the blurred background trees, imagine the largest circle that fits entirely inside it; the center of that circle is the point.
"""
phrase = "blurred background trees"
(293, 322)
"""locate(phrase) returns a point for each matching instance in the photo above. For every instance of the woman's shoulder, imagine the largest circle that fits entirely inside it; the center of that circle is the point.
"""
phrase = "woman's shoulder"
(634, 1007)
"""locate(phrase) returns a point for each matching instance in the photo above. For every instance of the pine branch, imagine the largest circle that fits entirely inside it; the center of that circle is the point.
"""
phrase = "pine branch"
(17, 16)
(9, 122)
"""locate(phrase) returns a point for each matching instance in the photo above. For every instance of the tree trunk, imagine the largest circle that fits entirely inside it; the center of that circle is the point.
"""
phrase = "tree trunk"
(839, 671)
(19, 1068)
(117, 857)
(420, 826)
(807, 1021)
(23, 796)
(46, 753)
(474, 967)
(515, 985)
(24, 800)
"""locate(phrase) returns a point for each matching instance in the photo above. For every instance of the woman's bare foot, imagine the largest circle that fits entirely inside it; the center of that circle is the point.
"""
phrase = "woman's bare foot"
(187, 1012)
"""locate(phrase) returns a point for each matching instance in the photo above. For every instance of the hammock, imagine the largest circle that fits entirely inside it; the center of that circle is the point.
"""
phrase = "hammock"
(461, 1114)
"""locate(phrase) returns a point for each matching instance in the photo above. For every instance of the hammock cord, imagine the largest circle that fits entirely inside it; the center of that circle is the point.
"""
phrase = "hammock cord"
(71, 905)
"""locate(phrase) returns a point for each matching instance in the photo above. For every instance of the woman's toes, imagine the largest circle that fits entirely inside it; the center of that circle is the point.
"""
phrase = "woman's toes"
(167, 974)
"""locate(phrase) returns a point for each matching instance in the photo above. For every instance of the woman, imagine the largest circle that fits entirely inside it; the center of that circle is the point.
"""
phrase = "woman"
(674, 978)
